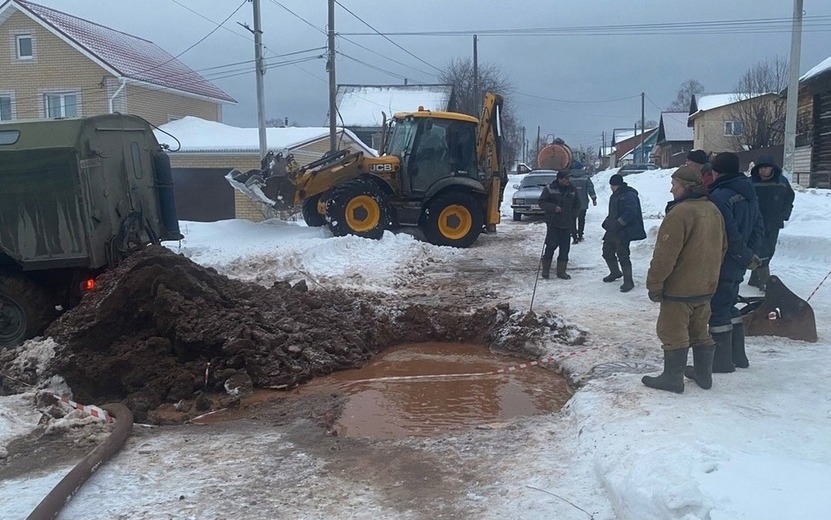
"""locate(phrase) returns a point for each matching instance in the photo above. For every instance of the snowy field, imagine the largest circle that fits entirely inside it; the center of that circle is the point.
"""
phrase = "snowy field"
(756, 446)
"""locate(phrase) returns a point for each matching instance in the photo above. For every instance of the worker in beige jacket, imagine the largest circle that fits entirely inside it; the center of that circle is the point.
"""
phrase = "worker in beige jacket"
(683, 276)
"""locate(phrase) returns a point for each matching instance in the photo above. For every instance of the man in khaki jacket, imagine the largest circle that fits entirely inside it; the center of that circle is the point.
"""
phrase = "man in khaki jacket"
(683, 276)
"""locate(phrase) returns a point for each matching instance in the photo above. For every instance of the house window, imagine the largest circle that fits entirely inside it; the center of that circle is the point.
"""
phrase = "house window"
(732, 128)
(5, 108)
(61, 105)
(24, 47)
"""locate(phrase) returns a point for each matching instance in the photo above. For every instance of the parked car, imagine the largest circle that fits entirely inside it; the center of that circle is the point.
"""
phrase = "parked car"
(629, 169)
(525, 200)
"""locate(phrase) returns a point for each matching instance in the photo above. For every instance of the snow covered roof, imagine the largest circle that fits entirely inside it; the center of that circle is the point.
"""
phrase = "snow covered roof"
(199, 135)
(619, 135)
(122, 54)
(673, 127)
(823, 67)
(361, 105)
(712, 101)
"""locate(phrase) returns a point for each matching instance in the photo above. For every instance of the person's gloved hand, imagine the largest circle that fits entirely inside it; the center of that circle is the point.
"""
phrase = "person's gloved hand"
(755, 263)
(656, 296)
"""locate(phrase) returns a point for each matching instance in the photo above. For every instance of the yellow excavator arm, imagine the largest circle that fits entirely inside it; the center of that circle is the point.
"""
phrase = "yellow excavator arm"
(489, 155)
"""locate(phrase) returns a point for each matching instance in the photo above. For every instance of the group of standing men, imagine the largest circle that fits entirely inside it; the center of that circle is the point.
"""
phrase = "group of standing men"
(733, 219)
(719, 224)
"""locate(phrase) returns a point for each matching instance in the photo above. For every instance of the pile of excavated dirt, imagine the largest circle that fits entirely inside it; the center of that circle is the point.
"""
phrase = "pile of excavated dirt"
(161, 329)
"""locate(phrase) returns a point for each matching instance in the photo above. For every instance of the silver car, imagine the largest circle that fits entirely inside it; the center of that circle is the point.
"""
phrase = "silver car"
(525, 200)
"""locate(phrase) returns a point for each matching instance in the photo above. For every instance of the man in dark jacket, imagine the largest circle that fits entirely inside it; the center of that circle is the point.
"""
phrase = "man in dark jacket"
(623, 225)
(559, 201)
(585, 189)
(775, 203)
(733, 194)
(683, 277)
(698, 160)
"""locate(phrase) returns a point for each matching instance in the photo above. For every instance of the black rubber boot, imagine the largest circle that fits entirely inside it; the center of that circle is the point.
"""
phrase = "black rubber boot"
(754, 278)
(614, 271)
(723, 358)
(575, 240)
(628, 282)
(561, 270)
(546, 268)
(702, 370)
(764, 274)
(739, 355)
(672, 378)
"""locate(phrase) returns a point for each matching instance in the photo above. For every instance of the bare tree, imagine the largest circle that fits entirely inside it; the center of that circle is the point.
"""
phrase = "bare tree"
(459, 73)
(684, 95)
(761, 117)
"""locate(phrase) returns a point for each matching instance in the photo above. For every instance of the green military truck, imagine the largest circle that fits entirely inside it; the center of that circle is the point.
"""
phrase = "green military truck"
(77, 196)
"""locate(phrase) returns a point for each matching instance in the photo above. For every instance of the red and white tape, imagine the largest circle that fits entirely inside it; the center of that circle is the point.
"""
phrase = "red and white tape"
(94, 411)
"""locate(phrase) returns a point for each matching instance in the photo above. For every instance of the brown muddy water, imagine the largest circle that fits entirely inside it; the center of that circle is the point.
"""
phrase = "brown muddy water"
(426, 389)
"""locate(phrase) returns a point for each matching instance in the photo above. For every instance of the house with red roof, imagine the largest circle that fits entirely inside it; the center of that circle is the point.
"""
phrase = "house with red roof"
(57, 65)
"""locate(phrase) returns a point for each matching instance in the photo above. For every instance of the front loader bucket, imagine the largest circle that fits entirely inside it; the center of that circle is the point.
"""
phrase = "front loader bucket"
(270, 186)
(779, 313)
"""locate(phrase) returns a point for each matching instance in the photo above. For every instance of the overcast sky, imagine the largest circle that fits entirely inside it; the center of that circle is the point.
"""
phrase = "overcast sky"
(577, 72)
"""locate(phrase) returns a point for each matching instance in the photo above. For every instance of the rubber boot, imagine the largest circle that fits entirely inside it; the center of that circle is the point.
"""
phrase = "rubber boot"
(764, 274)
(614, 271)
(754, 278)
(739, 355)
(546, 268)
(672, 378)
(561, 270)
(575, 241)
(723, 357)
(628, 282)
(702, 369)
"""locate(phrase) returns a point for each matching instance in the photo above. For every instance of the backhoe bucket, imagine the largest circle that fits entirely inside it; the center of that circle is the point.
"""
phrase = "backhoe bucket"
(270, 185)
(779, 313)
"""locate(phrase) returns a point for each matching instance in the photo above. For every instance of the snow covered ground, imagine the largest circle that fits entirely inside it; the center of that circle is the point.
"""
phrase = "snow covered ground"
(755, 446)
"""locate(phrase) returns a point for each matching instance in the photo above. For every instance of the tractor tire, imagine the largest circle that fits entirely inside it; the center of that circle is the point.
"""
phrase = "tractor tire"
(517, 216)
(358, 207)
(453, 219)
(310, 214)
(25, 310)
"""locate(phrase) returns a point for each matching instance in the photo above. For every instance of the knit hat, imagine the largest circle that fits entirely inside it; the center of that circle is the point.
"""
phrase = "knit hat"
(726, 163)
(687, 177)
(563, 174)
(616, 180)
(697, 156)
(766, 160)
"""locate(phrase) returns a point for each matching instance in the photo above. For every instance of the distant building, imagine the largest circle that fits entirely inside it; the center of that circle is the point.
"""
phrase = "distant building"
(360, 107)
(57, 65)
(812, 165)
(673, 141)
(626, 143)
(203, 152)
(716, 128)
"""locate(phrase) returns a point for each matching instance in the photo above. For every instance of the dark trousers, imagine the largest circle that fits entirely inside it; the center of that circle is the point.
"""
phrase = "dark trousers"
(554, 238)
(615, 249)
(723, 306)
(579, 223)
(768, 247)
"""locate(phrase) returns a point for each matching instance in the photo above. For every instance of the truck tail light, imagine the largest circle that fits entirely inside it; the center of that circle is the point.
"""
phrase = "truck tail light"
(88, 284)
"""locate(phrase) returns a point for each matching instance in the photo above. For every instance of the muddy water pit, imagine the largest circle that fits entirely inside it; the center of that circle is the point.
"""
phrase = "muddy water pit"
(426, 389)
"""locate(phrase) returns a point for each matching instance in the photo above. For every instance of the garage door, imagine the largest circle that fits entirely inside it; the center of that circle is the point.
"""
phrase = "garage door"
(203, 194)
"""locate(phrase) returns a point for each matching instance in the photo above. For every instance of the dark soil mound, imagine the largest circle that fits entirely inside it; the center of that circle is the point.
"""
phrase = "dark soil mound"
(161, 327)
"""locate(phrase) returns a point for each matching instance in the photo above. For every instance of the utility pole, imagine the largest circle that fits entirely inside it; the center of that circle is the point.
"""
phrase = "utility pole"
(603, 148)
(793, 88)
(522, 128)
(538, 146)
(260, 66)
(333, 87)
(643, 128)
(476, 96)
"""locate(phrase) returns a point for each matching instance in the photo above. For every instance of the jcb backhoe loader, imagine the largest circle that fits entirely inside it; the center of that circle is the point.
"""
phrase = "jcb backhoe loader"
(441, 171)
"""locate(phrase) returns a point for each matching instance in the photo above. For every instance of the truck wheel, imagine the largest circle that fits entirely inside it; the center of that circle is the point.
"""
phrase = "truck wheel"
(517, 216)
(453, 219)
(358, 207)
(310, 214)
(25, 310)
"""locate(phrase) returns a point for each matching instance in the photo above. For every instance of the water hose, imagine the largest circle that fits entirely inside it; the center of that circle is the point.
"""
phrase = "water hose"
(60, 495)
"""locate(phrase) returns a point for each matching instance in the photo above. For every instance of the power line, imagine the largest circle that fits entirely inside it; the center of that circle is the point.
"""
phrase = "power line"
(578, 101)
(739, 26)
(374, 67)
(386, 37)
(353, 42)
